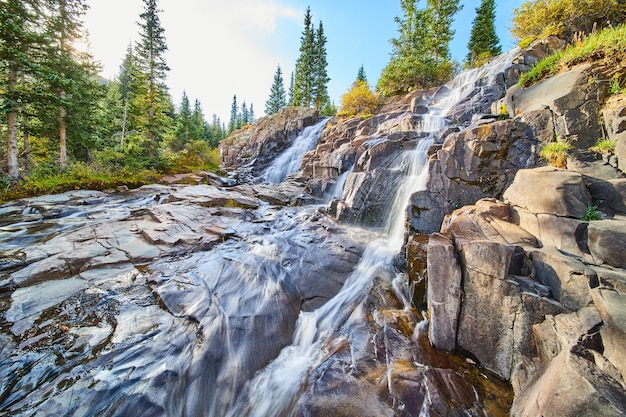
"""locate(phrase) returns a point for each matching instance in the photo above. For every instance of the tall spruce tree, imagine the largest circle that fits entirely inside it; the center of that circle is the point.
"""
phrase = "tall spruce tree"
(484, 42)
(320, 75)
(252, 118)
(360, 76)
(305, 65)
(291, 90)
(245, 115)
(127, 78)
(19, 42)
(234, 115)
(151, 103)
(276, 100)
(199, 130)
(183, 125)
(441, 15)
(71, 77)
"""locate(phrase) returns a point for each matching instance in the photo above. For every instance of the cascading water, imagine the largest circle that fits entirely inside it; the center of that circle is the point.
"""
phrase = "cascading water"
(289, 161)
(243, 328)
(275, 390)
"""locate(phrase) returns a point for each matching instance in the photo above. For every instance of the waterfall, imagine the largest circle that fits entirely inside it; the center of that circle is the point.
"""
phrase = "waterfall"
(233, 313)
(336, 191)
(289, 161)
(276, 389)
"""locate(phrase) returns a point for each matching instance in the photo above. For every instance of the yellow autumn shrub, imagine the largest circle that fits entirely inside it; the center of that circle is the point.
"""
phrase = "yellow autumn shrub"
(537, 19)
(359, 101)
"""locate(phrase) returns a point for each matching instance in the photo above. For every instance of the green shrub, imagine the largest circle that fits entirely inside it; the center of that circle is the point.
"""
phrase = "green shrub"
(591, 214)
(617, 86)
(544, 68)
(610, 42)
(556, 153)
(604, 146)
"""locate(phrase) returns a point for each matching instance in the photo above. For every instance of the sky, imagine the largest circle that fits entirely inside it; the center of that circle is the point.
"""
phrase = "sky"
(221, 48)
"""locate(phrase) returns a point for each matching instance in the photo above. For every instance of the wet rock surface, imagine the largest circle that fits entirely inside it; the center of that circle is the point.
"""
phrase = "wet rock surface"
(143, 303)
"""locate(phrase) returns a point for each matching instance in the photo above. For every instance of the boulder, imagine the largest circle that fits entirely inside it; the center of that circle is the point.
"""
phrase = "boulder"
(548, 190)
(610, 195)
(444, 292)
(563, 233)
(566, 276)
(571, 102)
(476, 163)
(607, 241)
(577, 380)
(417, 263)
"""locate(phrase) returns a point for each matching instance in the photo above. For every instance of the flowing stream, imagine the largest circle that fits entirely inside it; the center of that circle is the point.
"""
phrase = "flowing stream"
(241, 325)
(289, 161)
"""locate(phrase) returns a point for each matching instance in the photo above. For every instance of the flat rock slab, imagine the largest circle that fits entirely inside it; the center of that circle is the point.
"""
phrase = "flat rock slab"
(549, 190)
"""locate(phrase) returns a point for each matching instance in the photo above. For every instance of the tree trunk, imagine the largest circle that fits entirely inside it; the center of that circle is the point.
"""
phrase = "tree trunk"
(13, 168)
(12, 162)
(26, 152)
(62, 135)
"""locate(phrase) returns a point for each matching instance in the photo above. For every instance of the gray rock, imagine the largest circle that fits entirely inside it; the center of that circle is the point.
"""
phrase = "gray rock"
(572, 100)
(607, 241)
(444, 292)
(548, 190)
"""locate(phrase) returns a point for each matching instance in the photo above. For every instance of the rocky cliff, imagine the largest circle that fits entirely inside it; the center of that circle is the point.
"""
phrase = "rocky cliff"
(520, 265)
(252, 147)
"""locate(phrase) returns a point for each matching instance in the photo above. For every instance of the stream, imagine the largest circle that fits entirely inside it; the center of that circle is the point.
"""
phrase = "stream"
(198, 301)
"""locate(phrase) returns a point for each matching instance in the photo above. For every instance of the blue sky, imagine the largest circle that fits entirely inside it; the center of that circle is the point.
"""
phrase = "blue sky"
(218, 48)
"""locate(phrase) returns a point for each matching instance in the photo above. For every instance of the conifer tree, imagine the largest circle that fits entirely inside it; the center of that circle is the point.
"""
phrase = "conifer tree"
(291, 90)
(320, 75)
(151, 103)
(484, 42)
(245, 115)
(276, 100)
(234, 115)
(19, 40)
(305, 65)
(71, 76)
(183, 125)
(420, 54)
(252, 118)
(198, 124)
(360, 76)
(441, 15)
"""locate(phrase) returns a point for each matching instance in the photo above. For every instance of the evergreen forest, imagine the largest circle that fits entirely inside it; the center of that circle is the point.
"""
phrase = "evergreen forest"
(63, 126)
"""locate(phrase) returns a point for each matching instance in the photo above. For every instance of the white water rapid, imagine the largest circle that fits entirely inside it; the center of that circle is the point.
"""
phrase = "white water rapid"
(276, 389)
(198, 301)
(289, 161)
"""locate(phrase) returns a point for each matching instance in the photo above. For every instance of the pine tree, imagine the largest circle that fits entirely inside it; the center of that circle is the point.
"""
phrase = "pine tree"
(320, 75)
(420, 54)
(441, 15)
(19, 40)
(127, 78)
(151, 103)
(305, 65)
(484, 42)
(276, 100)
(245, 115)
(291, 90)
(234, 115)
(198, 129)
(71, 76)
(252, 118)
(183, 125)
(360, 76)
